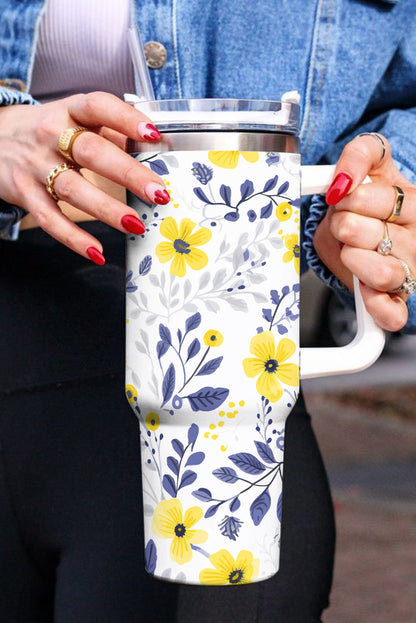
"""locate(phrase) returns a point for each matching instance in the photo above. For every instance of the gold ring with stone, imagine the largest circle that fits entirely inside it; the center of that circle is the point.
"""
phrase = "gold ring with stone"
(409, 284)
(66, 141)
(397, 208)
(385, 245)
(54, 173)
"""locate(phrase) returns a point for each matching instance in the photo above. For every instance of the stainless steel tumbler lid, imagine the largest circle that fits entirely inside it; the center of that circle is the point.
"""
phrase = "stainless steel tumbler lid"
(227, 141)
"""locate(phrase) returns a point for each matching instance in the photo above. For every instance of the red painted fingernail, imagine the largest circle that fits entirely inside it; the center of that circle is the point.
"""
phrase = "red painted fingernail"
(148, 131)
(339, 188)
(133, 224)
(156, 193)
(96, 256)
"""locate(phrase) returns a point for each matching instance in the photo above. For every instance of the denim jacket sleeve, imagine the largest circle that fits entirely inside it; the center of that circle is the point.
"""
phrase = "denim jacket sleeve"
(395, 98)
(10, 215)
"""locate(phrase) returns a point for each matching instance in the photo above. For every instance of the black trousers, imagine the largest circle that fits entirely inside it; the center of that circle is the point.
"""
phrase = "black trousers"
(71, 542)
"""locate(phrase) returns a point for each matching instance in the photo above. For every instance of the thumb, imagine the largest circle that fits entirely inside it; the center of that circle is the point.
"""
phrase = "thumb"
(364, 155)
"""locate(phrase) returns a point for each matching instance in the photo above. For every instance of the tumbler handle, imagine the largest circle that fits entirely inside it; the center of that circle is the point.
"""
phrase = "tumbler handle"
(368, 342)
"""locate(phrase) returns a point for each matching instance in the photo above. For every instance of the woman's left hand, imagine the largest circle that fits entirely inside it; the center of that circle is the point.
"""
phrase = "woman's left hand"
(348, 237)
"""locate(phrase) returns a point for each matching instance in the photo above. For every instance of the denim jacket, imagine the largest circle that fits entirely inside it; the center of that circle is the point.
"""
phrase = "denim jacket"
(352, 61)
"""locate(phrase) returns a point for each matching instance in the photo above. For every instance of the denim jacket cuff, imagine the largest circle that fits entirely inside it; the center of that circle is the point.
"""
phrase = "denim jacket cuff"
(317, 211)
(9, 97)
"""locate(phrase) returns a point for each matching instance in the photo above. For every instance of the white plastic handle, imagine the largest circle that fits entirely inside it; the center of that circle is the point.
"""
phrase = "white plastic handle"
(368, 342)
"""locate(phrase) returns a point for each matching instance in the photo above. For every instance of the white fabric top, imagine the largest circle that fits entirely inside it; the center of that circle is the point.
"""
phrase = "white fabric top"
(82, 46)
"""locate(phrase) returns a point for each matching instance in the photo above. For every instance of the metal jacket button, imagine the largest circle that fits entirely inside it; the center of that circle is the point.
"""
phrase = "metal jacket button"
(156, 54)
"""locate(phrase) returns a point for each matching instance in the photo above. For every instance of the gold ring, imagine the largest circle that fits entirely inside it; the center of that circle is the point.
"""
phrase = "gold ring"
(54, 173)
(409, 284)
(397, 208)
(66, 141)
(385, 245)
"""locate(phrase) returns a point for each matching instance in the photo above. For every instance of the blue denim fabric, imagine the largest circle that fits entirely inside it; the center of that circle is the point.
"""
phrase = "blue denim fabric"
(352, 61)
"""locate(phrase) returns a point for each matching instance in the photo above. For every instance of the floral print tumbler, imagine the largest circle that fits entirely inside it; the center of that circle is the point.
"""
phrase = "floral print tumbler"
(213, 337)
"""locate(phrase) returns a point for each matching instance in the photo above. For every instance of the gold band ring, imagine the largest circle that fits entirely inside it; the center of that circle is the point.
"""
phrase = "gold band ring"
(54, 173)
(379, 139)
(66, 141)
(385, 245)
(409, 284)
(397, 208)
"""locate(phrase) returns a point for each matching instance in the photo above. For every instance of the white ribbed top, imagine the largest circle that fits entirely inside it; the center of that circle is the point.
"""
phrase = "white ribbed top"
(82, 46)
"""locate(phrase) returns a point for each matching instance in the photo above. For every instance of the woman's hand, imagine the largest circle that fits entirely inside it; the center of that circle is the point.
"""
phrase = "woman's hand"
(348, 237)
(29, 150)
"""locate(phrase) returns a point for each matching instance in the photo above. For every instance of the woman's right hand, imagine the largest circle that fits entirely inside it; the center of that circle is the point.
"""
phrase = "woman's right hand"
(29, 151)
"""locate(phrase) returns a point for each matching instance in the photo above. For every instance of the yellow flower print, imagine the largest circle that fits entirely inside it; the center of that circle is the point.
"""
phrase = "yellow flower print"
(229, 159)
(268, 364)
(169, 523)
(182, 246)
(131, 393)
(284, 211)
(292, 243)
(229, 571)
(152, 421)
(213, 338)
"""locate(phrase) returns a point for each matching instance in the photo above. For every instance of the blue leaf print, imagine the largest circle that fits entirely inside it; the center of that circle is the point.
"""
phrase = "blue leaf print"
(273, 158)
(173, 464)
(202, 173)
(279, 508)
(274, 297)
(178, 447)
(168, 384)
(193, 432)
(225, 192)
(266, 210)
(235, 505)
(150, 555)
(210, 366)
(295, 202)
(248, 463)
(179, 334)
(283, 188)
(232, 216)
(202, 196)
(270, 184)
(145, 265)
(129, 275)
(165, 334)
(130, 287)
(226, 474)
(202, 494)
(251, 216)
(265, 452)
(193, 349)
(267, 314)
(159, 167)
(193, 322)
(162, 348)
(259, 507)
(169, 485)
(187, 479)
(281, 329)
(285, 291)
(246, 189)
(246, 255)
(195, 459)
(212, 510)
(208, 398)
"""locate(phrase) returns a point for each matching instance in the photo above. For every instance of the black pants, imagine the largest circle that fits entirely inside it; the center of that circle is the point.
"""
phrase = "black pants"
(71, 546)
(71, 543)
